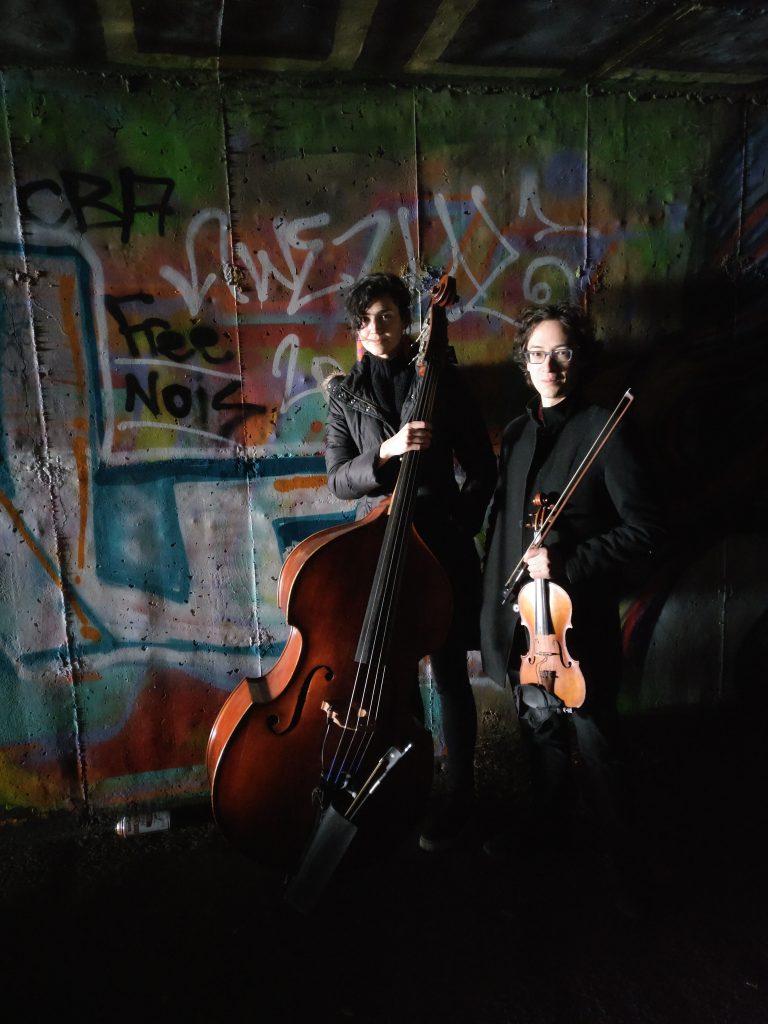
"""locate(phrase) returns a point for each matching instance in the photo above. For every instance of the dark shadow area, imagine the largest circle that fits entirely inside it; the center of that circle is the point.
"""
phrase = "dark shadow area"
(179, 926)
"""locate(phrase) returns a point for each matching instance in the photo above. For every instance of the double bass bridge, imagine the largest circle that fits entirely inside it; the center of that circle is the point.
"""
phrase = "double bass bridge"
(349, 716)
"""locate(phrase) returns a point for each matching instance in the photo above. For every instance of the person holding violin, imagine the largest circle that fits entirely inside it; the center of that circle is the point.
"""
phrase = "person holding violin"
(611, 522)
(369, 428)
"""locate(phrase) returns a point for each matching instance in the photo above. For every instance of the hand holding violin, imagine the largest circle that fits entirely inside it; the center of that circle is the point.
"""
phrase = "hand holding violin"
(544, 563)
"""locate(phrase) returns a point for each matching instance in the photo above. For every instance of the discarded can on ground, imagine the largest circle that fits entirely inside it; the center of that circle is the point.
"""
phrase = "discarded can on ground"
(141, 824)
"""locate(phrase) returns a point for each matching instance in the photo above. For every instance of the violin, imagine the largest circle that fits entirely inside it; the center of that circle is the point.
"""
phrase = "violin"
(545, 610)
(328, 750)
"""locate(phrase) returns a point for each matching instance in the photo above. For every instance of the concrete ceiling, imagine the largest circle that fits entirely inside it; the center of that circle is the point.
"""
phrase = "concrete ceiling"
(650, 41)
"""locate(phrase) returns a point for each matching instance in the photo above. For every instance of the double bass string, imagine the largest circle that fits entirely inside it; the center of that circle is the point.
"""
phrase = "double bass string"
(371, 667)
(368, 688)
(377, 633)
(373, 671)
(401, 519)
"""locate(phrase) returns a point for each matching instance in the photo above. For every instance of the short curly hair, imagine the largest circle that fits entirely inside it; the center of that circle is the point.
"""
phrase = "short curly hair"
(575, 323)
(368, 289)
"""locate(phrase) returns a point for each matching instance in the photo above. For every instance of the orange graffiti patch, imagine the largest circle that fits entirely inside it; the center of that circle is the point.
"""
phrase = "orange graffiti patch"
(296, 483)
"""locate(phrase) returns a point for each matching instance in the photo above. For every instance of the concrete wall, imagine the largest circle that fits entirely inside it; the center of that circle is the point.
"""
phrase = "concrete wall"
(172, 252)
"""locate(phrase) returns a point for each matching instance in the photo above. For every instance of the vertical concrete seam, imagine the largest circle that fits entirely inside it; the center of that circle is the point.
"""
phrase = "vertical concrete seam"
(255, 636)
(45, 463)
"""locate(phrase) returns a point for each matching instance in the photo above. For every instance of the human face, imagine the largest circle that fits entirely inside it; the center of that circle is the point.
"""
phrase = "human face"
(554, 380)
(382, 328)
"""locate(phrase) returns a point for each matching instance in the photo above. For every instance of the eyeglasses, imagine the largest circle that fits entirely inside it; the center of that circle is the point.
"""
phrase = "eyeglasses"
(538, 355)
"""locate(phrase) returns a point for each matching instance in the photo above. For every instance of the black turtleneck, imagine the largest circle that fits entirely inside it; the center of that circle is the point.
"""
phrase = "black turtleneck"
(390, 381)
(550, 420)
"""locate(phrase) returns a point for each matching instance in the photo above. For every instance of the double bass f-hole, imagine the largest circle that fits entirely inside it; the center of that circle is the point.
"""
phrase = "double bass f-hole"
(545, 610)
(273, 720)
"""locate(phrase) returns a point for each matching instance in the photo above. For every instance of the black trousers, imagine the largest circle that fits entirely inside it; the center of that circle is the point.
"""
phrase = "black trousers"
(458, 714)
(577, 762)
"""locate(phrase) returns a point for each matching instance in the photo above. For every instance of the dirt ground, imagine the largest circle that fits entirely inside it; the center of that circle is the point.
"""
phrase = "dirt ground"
(180, 926)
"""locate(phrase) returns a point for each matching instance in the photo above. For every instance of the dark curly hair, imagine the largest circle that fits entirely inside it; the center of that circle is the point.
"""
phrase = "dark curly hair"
(368, 289)
(574, 321)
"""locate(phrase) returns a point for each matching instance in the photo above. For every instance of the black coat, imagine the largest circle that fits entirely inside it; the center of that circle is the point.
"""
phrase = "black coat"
(610, 523)
(447, 515)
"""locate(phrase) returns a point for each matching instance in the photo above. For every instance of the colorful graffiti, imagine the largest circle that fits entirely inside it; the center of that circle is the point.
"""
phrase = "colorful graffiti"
(173, 259)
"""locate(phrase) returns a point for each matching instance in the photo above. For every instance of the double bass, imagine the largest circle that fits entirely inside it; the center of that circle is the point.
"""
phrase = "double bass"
(332, 736)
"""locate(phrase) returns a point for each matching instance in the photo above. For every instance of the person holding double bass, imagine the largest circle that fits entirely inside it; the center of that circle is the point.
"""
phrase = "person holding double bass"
(611, 522)
(370, 426)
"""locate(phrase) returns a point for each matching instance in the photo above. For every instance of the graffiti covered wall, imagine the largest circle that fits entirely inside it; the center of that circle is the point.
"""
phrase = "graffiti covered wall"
(173, 257)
